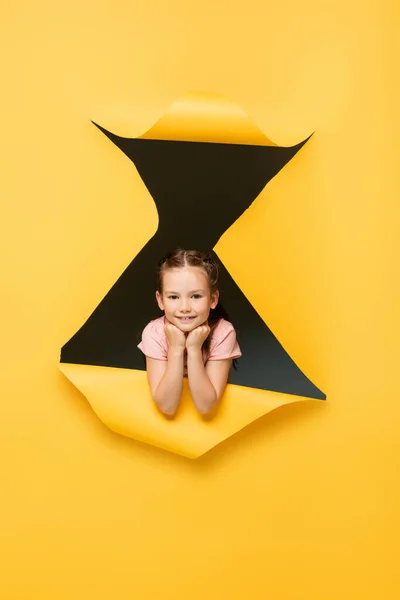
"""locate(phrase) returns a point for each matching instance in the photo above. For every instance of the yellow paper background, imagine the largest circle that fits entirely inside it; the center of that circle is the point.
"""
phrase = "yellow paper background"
(302, 504)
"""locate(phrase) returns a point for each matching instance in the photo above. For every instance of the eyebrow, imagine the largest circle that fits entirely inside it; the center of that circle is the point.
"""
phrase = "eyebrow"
(192, 292)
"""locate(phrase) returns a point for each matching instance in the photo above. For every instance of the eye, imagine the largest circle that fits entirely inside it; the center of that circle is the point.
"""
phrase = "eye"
(197, 296)
(172, 297)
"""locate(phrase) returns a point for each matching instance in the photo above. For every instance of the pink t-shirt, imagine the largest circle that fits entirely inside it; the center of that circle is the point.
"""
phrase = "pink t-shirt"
(223, 342)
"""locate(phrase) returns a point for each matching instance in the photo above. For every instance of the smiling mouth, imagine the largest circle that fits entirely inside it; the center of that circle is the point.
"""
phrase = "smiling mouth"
(187, 319)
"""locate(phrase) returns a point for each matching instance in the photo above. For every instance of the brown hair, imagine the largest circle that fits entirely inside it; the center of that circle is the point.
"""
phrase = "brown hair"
(193, 258)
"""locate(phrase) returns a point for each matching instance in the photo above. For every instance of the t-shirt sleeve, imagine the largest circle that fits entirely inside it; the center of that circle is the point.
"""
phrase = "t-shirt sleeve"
(224, 343)
(151, 344)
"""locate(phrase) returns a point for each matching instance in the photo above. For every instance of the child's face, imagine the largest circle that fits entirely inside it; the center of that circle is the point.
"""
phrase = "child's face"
(186, 298)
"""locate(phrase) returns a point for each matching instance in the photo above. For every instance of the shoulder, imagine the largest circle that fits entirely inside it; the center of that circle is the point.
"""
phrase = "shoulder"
(223, 342)
(223, 326)
(155, 327)
(154, 341)
(222, 329)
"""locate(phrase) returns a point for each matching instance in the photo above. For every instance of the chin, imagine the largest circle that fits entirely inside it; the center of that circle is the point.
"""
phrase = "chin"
(186, 326)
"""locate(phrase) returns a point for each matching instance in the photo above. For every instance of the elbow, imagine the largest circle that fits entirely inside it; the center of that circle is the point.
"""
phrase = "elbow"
(167, 411)
(166, 408)
(204, 411)
(206, 408)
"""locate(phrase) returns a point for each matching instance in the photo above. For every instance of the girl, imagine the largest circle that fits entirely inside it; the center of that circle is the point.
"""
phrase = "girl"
(189, 340)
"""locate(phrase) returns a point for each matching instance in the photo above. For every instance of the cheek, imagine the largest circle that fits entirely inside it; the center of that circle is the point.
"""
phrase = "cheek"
(204, 305)
(168, 305)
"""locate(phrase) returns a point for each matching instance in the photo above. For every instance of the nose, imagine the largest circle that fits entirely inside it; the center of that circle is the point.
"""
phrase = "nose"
(185, 305)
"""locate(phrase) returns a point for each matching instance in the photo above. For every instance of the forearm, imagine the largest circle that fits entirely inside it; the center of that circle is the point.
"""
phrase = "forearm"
(169, 391)
(202, 390)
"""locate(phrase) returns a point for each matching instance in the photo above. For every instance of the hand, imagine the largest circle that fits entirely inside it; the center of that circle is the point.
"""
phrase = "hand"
(196, 337)
(176, 338)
